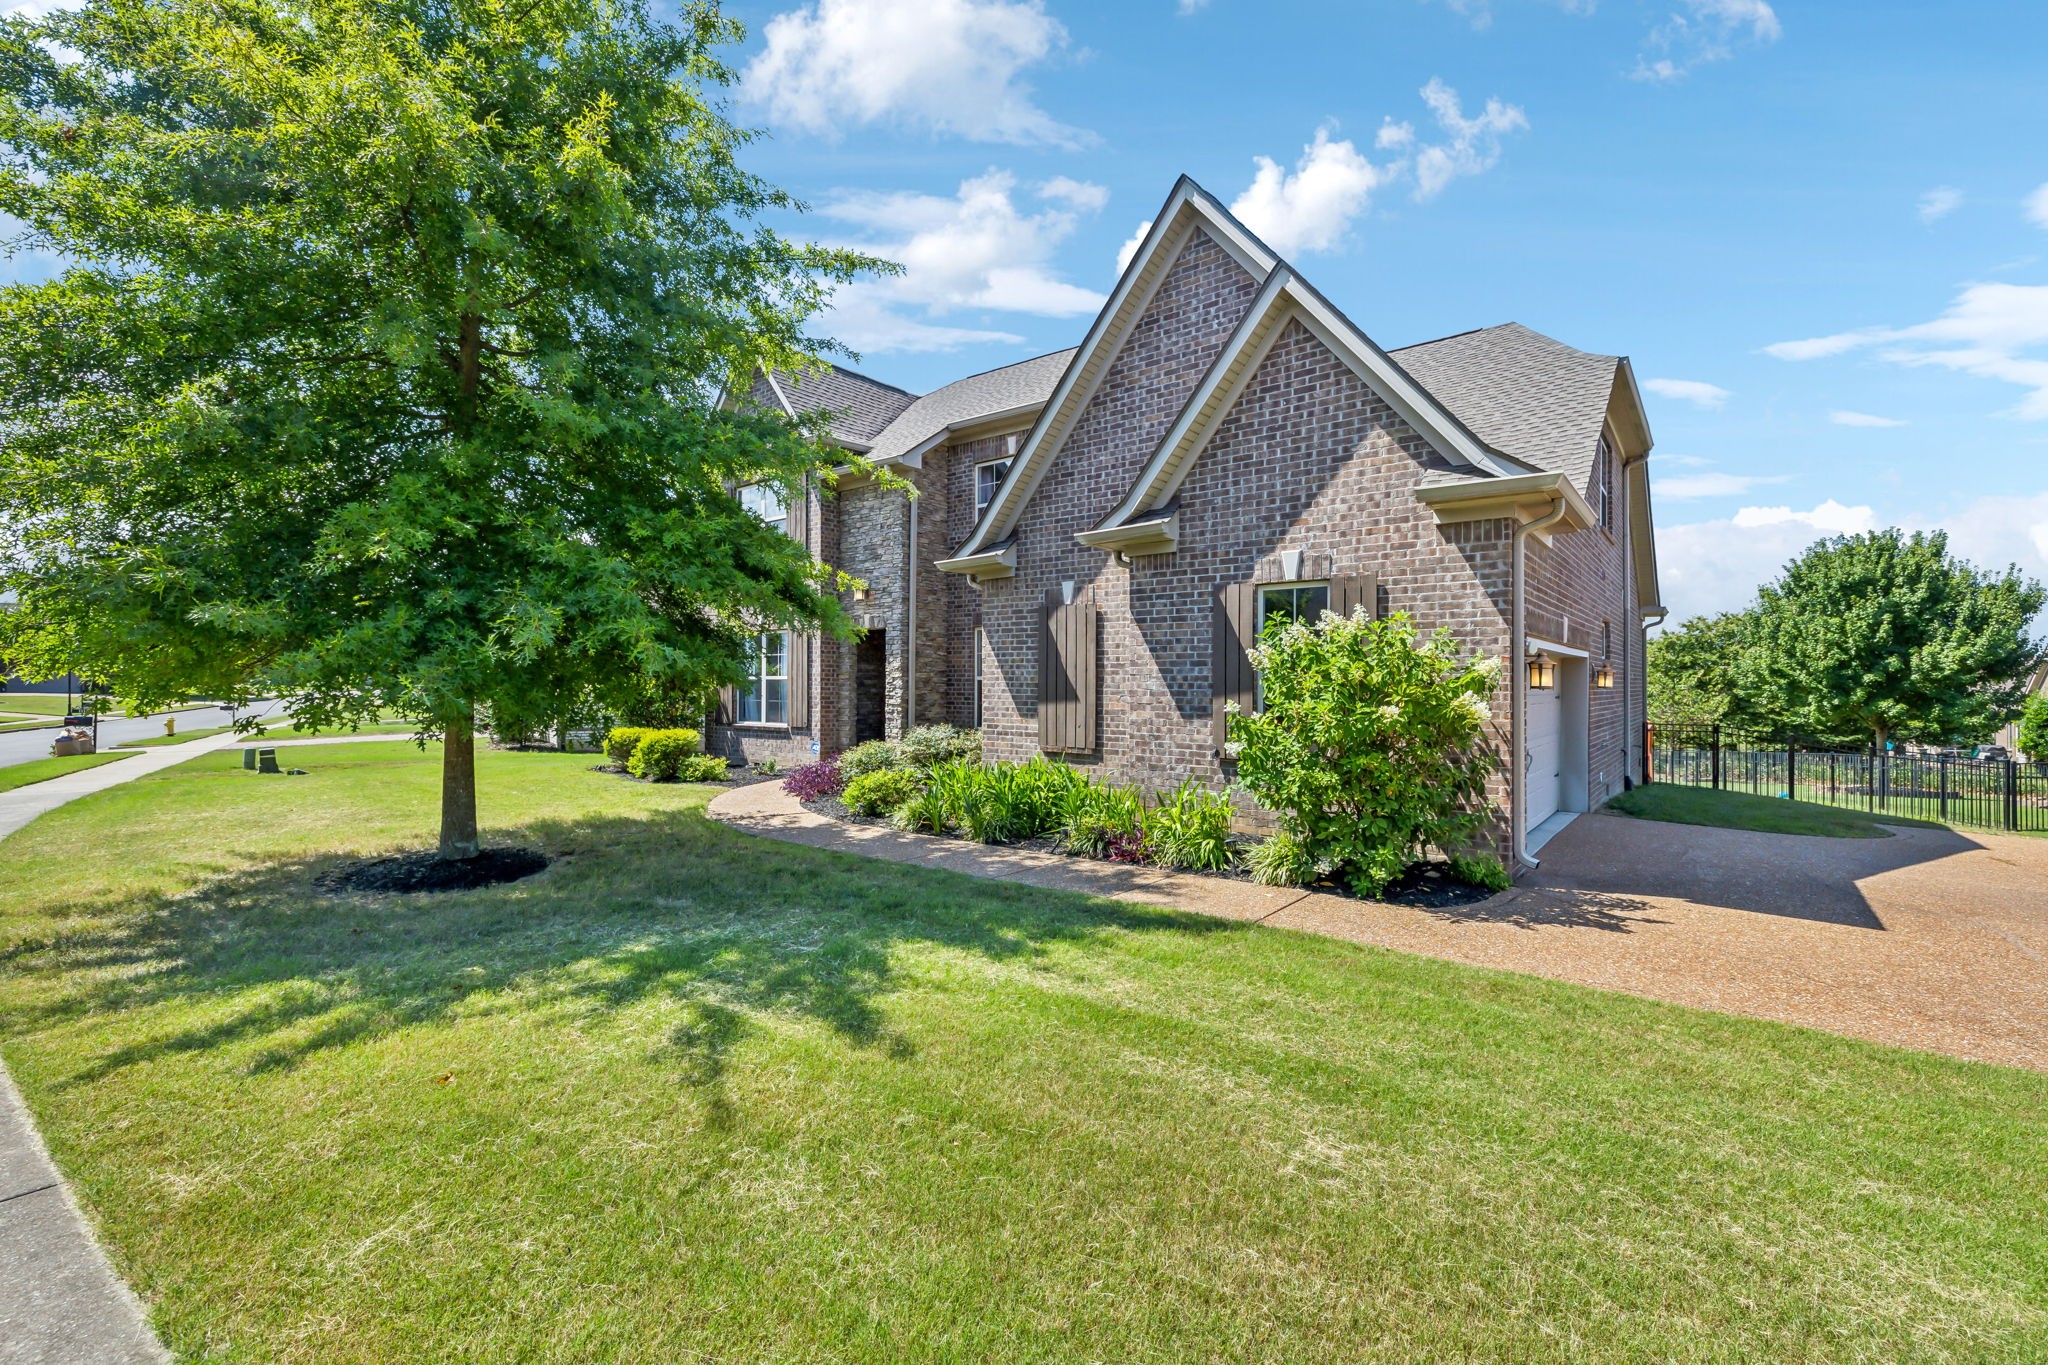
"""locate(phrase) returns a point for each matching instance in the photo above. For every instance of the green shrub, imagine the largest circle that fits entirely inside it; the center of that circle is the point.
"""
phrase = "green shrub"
(703, 768)
(928, 746)
(1281, 860)
(1368, 742)
(1189, 829)
(1006, 802)
(621, 740)
(2033, 736)
(767, 767)
(1482, 870)
(880, 793)
(877, 755)
(936, 807)
(1097, 820)
(660, 754)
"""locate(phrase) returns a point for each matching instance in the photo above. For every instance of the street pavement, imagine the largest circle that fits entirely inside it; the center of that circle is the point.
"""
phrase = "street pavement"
(20, 746)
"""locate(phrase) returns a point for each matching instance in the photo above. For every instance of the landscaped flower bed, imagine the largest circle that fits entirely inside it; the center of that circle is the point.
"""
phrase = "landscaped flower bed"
(672, 755)
(1048, 806)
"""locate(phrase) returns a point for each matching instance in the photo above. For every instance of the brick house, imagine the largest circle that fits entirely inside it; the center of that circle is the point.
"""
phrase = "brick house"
(1097, 533)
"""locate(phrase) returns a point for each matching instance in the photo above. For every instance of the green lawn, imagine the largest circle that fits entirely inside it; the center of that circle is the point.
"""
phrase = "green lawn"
(45, 724)
(34, 703)
(157, 741)
(1739, 810)
(693, 1096)
(43, 769)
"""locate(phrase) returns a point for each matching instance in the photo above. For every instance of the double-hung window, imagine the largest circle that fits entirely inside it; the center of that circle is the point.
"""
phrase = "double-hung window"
(765, 502)
(988, 477)
(765, 698)
(1285, 602)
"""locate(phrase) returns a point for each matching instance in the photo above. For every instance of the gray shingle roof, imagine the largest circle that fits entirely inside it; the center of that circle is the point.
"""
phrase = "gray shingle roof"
(860, 407)
(1028, 383)
(1528, 396)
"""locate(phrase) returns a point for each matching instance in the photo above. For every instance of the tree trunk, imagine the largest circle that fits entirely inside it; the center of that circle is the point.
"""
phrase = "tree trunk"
(458, 787)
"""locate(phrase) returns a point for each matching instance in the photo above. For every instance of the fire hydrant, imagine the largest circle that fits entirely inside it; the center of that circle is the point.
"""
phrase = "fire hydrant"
(170, 726)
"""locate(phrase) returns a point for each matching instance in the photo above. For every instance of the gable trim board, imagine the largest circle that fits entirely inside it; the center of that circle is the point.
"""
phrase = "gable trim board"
(1283, 297)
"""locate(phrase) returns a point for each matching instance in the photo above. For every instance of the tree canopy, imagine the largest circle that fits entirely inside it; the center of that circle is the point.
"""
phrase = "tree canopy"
(1706, 670)
(1887, 635)
(386, 370)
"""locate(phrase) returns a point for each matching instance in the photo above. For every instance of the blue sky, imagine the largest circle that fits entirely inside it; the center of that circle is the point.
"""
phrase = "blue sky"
(1697, 184)
(1820, 230)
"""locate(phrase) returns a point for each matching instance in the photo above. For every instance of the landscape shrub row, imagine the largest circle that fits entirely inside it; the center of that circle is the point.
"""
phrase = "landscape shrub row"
(662, 755)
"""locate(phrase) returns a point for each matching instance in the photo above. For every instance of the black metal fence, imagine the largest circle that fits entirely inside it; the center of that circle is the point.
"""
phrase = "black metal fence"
(1981, 792)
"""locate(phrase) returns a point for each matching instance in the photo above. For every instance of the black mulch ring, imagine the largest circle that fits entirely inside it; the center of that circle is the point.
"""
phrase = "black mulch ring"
(1424, 886)
(409, 872)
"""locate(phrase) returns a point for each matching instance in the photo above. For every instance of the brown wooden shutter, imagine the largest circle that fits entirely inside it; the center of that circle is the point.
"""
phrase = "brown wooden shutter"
(1234, 620)
(1066, 677)
(726, 708)
(799, 681)
(1353, 590)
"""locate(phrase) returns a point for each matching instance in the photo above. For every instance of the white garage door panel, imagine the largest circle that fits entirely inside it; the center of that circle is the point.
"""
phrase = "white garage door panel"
(1544, 753)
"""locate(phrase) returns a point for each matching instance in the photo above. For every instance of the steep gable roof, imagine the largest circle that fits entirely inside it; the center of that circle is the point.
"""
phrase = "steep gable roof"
(859, 408)
(1284, 294)
(1018, 390)
(1525, 394)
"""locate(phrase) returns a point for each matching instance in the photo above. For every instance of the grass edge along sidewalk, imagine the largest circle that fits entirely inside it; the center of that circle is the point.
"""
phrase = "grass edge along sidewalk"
(947, 1102)
(36, 770)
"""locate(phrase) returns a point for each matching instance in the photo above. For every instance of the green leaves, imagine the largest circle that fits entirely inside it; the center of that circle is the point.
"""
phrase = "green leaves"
(1368, 742)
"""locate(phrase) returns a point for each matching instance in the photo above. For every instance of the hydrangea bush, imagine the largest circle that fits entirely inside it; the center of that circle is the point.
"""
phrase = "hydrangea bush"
(1368, 743)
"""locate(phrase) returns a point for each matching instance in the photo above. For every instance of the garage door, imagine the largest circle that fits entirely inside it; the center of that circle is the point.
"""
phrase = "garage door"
(1543, 754)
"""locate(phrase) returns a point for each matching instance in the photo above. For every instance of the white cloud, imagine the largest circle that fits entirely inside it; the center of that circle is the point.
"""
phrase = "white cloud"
(1829, 518)
(1688, 486)
(1694, 391)
(1842, 417)
(1474, 143)
(1310, 208)
(974, 250)
(1939, 202)
(2037, 207)
(1985, 332)
(1708, 31)
(950, 66)
(1131, 245)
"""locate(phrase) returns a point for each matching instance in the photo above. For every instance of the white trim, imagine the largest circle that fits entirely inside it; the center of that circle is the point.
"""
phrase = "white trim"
(776, 389)
(1542, 646)
(997, 563)
(1187, 207)
(1153, 536)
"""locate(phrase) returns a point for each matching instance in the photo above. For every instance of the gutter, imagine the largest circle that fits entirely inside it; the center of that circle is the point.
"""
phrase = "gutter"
(910, 621)
(1518, 682)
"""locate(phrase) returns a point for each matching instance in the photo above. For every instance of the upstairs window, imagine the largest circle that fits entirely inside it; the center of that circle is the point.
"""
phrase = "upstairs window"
(1285, 602)
(1603, 466)
(988, 477)
(765, 501)
(765, 698)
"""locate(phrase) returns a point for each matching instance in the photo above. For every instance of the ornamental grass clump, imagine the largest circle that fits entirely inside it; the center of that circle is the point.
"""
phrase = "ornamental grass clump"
(1097, 820)
(1368, 743)
(1189, 829)
(1281, 860)
(1006, 802)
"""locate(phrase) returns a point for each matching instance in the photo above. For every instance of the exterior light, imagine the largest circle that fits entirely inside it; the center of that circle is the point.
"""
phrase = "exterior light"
(1604, 677)
(1542, 672)
(860, 594)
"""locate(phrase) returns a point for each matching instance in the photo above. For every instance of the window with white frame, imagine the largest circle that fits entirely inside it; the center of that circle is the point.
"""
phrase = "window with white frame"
(979, 641)
(765, 698)
(988, 477)
(1604, 466)
(1284, 602)
(765, 501)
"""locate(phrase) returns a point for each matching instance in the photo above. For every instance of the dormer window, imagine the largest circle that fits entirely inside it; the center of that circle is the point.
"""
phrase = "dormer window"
(988, 477)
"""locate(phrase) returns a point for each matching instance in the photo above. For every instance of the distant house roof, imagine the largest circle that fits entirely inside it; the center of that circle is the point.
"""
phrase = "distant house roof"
(1016, 388)
(1528, 396)
(860, 407)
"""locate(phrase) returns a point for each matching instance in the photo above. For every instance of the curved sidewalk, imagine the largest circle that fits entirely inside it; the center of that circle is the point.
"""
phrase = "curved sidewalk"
(1928, 939)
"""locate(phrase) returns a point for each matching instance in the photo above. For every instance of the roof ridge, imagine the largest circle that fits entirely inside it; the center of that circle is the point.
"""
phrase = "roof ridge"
(1028, 360)
(1453, 336)
(870, 379)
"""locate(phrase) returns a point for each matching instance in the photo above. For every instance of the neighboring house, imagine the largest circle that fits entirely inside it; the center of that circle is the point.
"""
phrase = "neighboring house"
(2010, 735)
(1100, 533)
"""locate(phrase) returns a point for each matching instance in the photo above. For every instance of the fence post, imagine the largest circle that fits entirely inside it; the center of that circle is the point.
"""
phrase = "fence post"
(1883, 765)
(1716, 742)
(1942, 763)
(1791, 774)
(2012, 795)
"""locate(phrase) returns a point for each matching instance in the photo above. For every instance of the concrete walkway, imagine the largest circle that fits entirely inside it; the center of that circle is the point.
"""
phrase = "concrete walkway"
(24, 804)
(1929, 939)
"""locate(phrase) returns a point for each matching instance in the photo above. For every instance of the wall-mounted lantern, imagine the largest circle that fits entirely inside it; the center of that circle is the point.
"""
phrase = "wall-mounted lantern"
(1604, 676)
(1542, 672)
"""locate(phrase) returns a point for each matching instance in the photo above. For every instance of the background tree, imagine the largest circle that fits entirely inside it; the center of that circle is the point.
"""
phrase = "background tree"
(1888, 636)
(1706, 670)
(387, 373)
(2033, 736)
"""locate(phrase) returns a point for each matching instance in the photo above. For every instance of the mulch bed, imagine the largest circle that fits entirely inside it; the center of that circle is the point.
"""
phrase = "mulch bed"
(410, 872)
(1424, 886)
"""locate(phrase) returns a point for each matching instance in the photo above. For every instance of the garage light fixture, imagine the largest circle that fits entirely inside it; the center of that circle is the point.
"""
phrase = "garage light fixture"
(1604, 677)
(1542, 672)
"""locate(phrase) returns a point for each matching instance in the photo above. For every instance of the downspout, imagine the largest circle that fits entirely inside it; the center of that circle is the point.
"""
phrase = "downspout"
(910, 622)
(1518, 682)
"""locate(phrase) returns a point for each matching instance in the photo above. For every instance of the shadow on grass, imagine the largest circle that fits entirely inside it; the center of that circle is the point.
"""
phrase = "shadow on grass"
(674, 907)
